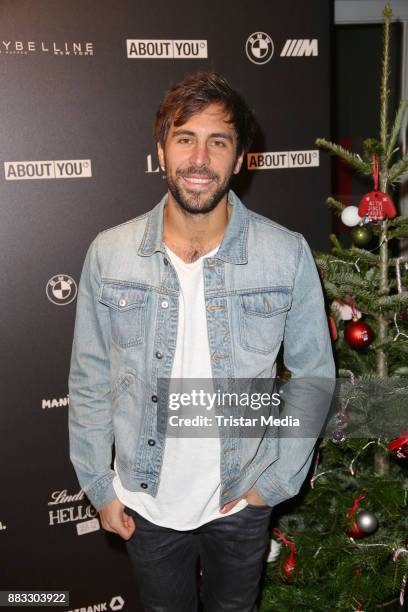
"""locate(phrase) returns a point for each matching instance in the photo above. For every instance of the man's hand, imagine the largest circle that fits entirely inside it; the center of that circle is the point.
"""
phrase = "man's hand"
(252, 498)
(114, 518)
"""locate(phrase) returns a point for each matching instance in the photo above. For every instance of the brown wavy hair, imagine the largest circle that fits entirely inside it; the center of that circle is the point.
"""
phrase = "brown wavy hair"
(193, 95)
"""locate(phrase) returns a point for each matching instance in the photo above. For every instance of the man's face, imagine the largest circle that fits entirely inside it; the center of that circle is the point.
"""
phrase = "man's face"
(200, 157)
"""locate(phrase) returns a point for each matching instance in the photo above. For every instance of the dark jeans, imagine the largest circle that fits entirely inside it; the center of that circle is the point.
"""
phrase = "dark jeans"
(231, 549)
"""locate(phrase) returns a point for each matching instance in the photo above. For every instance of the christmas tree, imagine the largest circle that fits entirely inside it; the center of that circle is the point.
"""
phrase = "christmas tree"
(343, 543)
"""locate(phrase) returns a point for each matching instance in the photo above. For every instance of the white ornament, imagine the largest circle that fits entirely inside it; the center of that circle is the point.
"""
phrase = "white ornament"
(350, 216)
(273, 551)
(346, 312)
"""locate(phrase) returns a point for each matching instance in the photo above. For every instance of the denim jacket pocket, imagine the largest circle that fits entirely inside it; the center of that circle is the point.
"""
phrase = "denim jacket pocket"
(127, 308)
(262, 318)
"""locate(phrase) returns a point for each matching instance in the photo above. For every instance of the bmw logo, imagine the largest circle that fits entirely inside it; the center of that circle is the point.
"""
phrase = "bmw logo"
(259, 48)
(61, 289)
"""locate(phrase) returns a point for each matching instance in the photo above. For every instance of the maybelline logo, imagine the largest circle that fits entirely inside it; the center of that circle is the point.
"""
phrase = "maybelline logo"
(20, 47)
(300, 47)
(55, 402)
(139, 48)
(61, 289)
(116, 603)
(80, 512)
(51, 169)
(283, 159)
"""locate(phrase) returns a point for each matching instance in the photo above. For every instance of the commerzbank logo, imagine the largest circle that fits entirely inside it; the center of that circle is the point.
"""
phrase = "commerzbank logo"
(148, 48)
(116, 603)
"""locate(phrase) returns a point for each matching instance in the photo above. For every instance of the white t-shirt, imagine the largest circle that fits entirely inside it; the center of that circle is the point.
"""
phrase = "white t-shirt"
(189, 489)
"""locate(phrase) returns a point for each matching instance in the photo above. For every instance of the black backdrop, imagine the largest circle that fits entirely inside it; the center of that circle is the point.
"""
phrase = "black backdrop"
(78, 156)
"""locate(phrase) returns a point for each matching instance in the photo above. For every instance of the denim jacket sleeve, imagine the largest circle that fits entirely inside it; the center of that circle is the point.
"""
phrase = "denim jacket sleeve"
(308, 355)
(90, 418)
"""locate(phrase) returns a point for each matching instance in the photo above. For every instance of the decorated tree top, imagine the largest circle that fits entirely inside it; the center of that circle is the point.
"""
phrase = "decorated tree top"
(373, 282)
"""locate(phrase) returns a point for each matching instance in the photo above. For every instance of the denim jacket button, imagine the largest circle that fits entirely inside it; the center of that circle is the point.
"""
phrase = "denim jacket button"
(154, 398)
(122, 302)
(143, 485)
(151, 442)
(165, 261)
(164, 304)
(159, 355)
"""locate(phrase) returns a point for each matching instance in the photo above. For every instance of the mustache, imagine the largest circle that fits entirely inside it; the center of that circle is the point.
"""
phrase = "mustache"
(203, 170)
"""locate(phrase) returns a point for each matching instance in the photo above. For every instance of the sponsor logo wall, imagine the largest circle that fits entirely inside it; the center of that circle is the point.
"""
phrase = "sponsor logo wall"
(77, 105)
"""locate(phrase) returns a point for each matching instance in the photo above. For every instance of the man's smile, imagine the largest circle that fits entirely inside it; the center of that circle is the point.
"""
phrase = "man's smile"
(197, 181)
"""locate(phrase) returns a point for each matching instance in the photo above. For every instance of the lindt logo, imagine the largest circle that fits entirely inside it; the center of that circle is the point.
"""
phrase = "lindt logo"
(83, 512)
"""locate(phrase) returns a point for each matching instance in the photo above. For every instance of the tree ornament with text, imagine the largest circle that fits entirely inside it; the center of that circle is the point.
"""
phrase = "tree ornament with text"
(376, 205)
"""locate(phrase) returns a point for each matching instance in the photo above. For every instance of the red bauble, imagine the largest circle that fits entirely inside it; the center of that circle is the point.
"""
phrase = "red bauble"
(358, 334)
(288, 568)
(399, 447)
(332, 328)
(353, 531)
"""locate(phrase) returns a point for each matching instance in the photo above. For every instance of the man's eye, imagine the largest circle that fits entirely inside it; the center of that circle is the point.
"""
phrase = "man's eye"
(184, 140)
(219, 143)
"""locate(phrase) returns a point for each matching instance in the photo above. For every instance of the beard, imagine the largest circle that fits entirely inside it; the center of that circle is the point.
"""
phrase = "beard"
(194, 201)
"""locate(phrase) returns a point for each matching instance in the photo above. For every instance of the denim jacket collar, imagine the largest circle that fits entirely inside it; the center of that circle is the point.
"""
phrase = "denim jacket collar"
(233, 248)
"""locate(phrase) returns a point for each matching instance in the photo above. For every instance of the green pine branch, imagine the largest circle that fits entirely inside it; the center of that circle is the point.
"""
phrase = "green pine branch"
(396, 128)
(396, 301)
(352, 159)
(401, 232)
(336, 205)
(398, 221)
(384, 90)
(397, 170)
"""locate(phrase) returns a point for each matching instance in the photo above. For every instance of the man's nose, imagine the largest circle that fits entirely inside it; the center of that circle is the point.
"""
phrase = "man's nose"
(199, 154)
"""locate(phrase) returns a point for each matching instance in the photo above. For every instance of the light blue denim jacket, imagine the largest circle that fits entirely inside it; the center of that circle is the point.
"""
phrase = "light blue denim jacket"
(261, 288)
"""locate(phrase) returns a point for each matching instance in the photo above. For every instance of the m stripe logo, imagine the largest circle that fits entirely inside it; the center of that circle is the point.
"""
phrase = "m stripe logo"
(300, 47)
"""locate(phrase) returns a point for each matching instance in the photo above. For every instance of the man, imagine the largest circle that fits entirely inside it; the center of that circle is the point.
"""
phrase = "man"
(198, 288)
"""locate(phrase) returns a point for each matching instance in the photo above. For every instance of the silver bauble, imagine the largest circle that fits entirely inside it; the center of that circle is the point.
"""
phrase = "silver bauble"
(366, 521)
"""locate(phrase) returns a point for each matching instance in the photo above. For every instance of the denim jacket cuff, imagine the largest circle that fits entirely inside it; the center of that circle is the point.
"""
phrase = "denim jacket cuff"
(270, 491)
(102, 492)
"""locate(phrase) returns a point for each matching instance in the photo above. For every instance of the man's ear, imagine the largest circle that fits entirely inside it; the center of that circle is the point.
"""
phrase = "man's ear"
(238, 163)
(160, 155)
